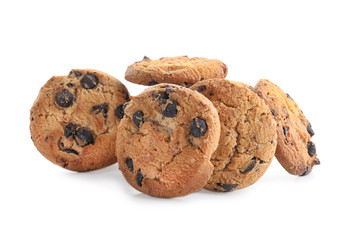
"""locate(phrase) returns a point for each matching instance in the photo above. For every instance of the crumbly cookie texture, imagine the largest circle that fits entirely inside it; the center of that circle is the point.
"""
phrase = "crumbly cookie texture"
(248, 134)
(166, 139)
(182, 70)
(74, 119)
(295, 151)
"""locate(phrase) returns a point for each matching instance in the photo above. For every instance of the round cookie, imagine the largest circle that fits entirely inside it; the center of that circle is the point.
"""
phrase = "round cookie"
(248, 134)
(75, 117)
(182, 70)
(295, 151)
(165, 141)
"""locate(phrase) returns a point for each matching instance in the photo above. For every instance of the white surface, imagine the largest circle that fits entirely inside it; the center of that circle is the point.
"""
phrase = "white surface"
(310, 48)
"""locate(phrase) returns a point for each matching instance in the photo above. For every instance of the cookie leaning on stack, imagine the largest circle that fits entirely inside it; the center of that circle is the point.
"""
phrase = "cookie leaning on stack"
(165, 141)
(248, 134)
(75, 117)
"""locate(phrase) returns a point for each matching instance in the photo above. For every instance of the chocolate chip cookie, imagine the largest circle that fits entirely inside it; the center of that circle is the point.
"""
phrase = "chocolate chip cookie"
(74, 119)
(166, 139)
(295, 150)
(248, 134)
(182, 71)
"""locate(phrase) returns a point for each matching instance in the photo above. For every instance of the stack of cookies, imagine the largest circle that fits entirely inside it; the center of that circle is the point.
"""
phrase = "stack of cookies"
(191, 129)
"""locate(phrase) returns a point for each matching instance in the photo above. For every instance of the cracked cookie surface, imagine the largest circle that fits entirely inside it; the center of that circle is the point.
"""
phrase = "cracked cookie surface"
(248, 134)
(182, 70)
(295, 151)
(165, 141)
(74, 119)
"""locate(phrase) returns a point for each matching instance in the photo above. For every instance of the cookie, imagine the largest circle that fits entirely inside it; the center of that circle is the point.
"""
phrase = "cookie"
(166, 139)
(182, 71)
(75, 117)
(295, 151)
(248, 135)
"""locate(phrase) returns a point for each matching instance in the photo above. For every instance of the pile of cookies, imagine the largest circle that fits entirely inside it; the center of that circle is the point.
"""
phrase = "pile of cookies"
(191, 129)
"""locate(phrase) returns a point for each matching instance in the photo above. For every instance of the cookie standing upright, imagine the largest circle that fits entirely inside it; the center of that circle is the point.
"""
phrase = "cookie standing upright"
(166, 139)
(248, 134)
(75, 117)
(295, 150)
(182, 70)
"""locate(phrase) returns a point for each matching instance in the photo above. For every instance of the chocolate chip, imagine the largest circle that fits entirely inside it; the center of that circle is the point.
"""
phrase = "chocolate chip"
(145, 58)
(227, 187)
(306, 171)
(186, 83)
(101, 108)
(153, 82)
(288, 95)
(250, 166)
(69, 150)
(211, 94)
(119, 111)
(83, 137)
(272, 142)
(198, 127)
(310, 130)
(202, 79)
(261, 161)
(285, 112)
(129, 163)
(316, 161)
(201, 88)
(77, 73)
(47, 138)
(286, 131)
(64, 98)
(273, 112)
(162, 97)
(138, 118)
(139, 178)
(70, 130)
(89, 81)
(170, 110)
(69, 85)
(311, 149)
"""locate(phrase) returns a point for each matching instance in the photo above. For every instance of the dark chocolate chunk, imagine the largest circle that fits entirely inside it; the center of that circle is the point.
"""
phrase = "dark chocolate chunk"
(285, 112)
(138, 118)
(250, 166)
(101, 108)
(64, 98)
(273, 112)
(139, 178)
(129, 163)
(310, 130)
(311, 149)
(47, 138)
(145, 58)
(307, 171)
(162, 97)
(211, 94)
(186, 83)
(83, 137)
(227, 187)
(77, 73)
(89, 81)
(69, 150)
(288, 95)
(201, 79)
(198, 127)
(170, 110)
(69, 85)
(119, 111)
(261, 161)
(286, 131)
(201, 88)
(316, 161)
(70, 130)
(153, 82)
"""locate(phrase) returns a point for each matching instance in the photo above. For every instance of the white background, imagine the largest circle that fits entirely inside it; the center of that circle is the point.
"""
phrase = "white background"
(310, 48)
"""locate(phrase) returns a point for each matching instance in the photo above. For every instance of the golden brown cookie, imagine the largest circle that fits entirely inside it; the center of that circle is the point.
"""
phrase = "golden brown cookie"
(182, 70)
(75, 117)
(165, 141)
(295, 151)
(248, 134)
